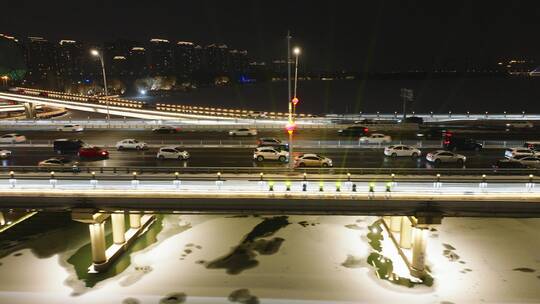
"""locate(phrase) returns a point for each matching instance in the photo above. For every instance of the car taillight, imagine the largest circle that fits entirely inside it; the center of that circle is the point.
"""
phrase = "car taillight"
(366, 130)
(446, 142)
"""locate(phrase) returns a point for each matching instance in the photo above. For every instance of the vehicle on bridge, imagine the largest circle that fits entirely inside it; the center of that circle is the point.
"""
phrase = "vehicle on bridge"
(354, 131)
(402, 150)
(430, 133)
(59, 164)
(70, 128)
(312, 160)
(93, 152)
(508, 164)
(5, 154)
(172, 152)
(243, 132)
(131, 144)
(512, 153)
(166, 129)
(533, 145)
(454, 143)
(270, 153)
(530, 161)
(442, 156)
(12, 138)
(62, 146)
(269, 141)
(375, 138)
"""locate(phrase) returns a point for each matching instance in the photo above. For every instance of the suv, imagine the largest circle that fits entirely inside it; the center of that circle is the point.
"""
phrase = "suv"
(270, 153)
(454, 143)
(354, 131)
(62, 146)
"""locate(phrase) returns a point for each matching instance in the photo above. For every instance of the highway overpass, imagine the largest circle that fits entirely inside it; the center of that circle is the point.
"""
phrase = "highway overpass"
(327, 194)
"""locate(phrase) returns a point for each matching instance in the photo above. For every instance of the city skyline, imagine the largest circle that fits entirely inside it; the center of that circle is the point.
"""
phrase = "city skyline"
(374, 36)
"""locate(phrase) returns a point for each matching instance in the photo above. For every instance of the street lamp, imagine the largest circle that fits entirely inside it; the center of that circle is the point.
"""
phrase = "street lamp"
(292, 108)
(5, 78)
(99, 54)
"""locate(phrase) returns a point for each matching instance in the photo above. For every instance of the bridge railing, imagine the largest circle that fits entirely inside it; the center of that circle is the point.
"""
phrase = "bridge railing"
(255, 173)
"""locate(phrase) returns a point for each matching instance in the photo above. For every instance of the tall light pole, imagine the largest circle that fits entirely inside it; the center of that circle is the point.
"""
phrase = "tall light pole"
(99, 54)
(291, 126)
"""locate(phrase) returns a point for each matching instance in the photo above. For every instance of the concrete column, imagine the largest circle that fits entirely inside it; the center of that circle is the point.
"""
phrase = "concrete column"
(419, 252)
(118, 228)
(135, 221)
(405, 239)
(395, 223)
(30, 110)
(97, 240)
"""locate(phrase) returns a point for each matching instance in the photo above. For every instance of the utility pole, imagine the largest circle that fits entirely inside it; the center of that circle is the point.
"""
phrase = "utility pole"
(407, 96)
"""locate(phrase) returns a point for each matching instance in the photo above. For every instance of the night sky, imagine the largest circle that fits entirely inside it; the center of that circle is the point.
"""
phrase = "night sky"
(352, 35)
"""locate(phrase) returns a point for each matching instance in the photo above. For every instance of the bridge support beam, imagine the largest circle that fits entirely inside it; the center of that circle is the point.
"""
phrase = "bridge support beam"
(30, 110)
(405, 238)
(118, 228)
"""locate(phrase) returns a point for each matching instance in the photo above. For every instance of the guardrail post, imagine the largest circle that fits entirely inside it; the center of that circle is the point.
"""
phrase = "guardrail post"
(483, 183)
(219, 182)
(437, 184)
(262, 183)
(177, 182)
(371, 190)
(52, 180)
(93, 180)
(134, 181)
(348, 183)
(530, 185)
(523, 113)
(12, 180)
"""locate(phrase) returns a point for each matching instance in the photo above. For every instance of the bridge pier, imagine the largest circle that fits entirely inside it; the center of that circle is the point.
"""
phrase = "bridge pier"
(395, 223)
(102, 256)
(30, 110)
(405, 238)
(118, 228)
(97, 241)
(418, 265)
(134, 220)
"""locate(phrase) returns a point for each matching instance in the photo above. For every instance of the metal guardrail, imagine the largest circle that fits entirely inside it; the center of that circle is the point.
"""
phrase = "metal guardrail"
(250, 143)
(255, 172)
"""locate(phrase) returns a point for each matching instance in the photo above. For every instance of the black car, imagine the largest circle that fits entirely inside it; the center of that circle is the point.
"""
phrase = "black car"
(354, 131)
(165, 130)
(63, 146)
(413, 119)
(430, 133)
(454, 143)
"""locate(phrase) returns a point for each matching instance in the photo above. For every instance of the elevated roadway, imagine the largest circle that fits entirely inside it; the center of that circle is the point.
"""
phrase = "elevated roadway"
(247, 194)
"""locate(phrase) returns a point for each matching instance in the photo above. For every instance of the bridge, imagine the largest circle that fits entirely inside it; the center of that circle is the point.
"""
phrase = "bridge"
(409, 205)
(136, 109)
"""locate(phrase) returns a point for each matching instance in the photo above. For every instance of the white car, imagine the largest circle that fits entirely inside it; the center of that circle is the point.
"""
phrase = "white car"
(131, 144)
(5, 154)
(70, 128)
(243, 132)
(402, 150)
(270, 153)
(312, 160)
(375, 138)
(512, 153)
(58, 163)
(12, 138)
(172, 152)
(530, 161)
(442, 156)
